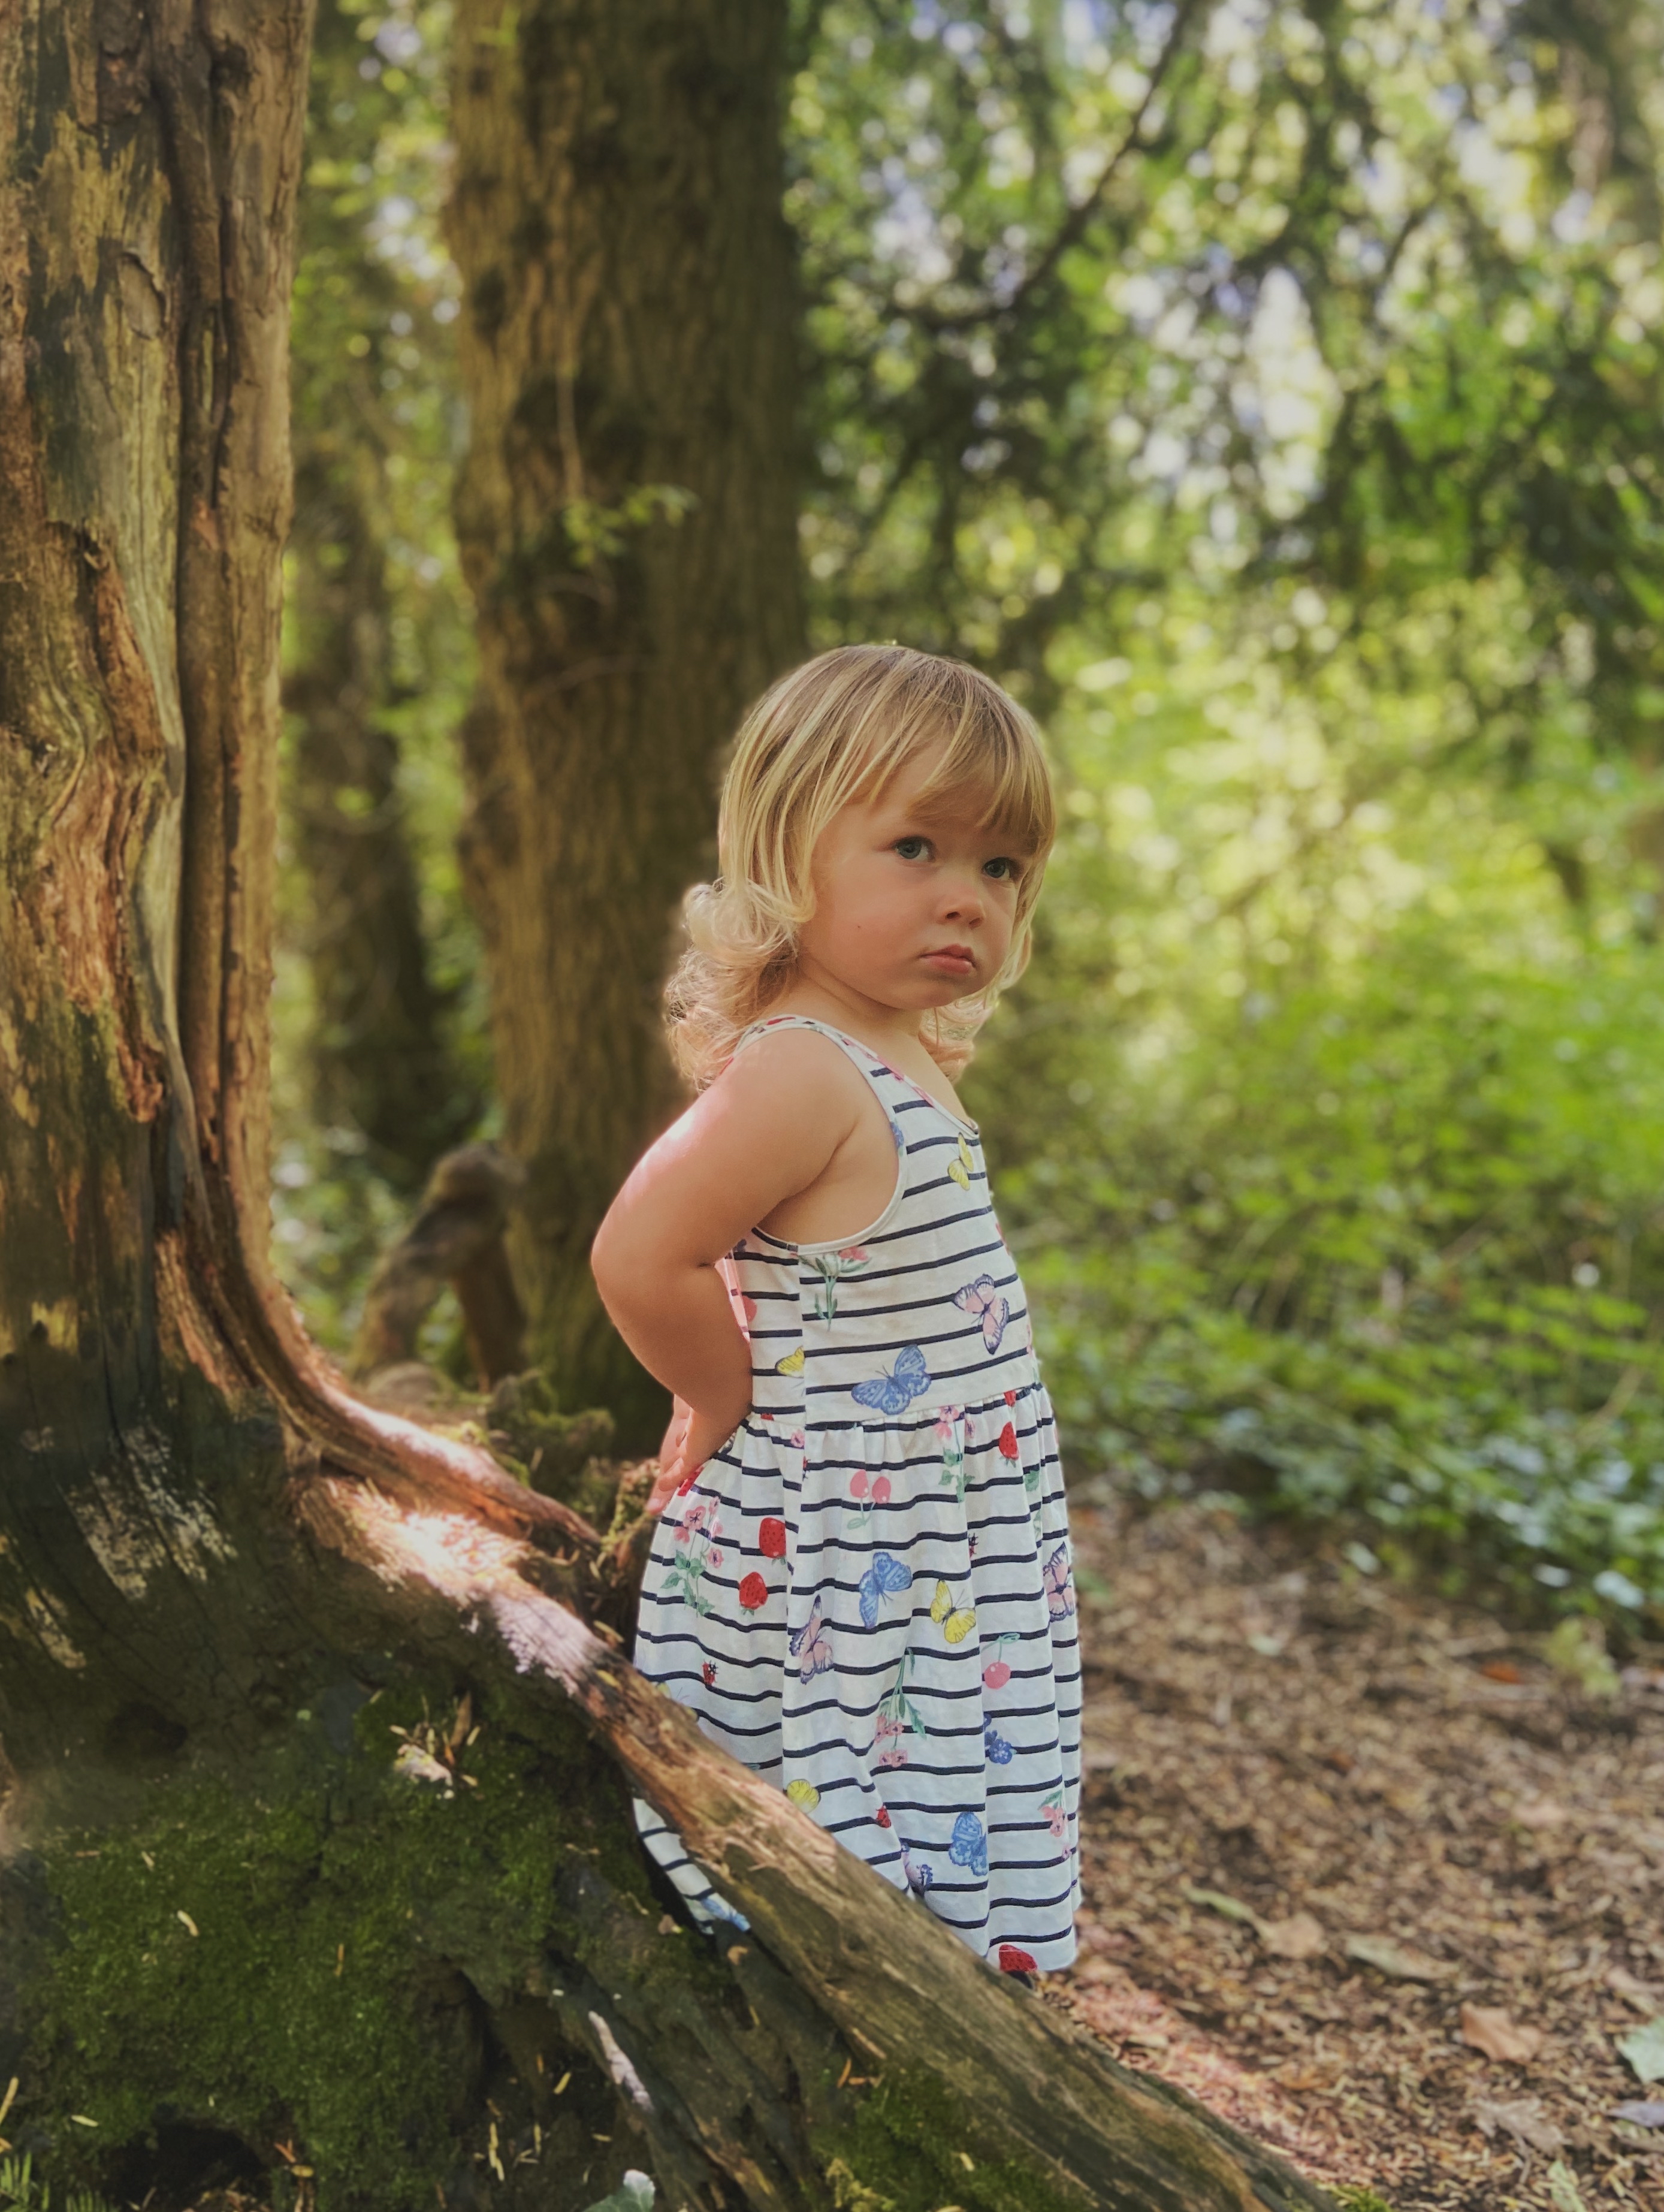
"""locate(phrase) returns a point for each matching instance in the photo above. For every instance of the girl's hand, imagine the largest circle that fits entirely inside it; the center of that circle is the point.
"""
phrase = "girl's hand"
(690, 1440)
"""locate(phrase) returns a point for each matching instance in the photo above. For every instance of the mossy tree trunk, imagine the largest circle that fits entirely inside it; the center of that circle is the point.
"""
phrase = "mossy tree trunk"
(317, 1850)
(627, 514)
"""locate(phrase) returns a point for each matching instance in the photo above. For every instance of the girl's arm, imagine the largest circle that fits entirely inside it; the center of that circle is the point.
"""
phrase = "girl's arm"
(767, 1129)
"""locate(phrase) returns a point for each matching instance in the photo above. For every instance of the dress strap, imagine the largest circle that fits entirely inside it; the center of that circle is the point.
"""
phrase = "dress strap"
(872, 1065)
(877, 1070)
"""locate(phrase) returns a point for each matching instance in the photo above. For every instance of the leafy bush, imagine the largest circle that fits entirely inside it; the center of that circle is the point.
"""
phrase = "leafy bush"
(1353, 1200)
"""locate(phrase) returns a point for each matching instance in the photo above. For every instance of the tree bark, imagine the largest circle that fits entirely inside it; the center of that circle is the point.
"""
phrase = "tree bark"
(316, 1725)
(627, 347)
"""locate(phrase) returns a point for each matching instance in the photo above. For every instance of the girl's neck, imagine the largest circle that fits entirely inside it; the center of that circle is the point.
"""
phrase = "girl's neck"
(885, 1028)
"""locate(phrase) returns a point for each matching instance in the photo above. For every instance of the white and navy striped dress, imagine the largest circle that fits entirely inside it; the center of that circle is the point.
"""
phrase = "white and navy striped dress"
(866, 1595)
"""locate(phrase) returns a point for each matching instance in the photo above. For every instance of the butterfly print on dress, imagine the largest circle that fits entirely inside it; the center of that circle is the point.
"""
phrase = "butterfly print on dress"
(983, 1299)
(894, 1393)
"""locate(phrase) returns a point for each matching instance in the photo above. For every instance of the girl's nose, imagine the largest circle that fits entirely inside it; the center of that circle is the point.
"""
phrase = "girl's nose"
(962, 896)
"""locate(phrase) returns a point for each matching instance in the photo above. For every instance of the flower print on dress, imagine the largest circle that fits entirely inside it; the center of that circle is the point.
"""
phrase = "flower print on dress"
(1057, 1820)
(995, 1749)
(897, 1717)
(920, 1875)
(696, 1534)
(949, 1433)
(831, 1268)
(983, 1300)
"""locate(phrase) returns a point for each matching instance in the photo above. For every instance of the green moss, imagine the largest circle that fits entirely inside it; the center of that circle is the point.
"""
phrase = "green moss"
(556, 1453)
(280, 1955)
(1361, 2200)
(907, 2145)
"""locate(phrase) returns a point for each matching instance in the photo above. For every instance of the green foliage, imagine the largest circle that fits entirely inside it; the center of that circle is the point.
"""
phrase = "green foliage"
(1331, 1144)
(22, 2190)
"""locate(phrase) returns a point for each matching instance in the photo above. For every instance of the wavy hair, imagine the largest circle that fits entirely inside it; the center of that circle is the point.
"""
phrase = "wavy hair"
(838, 729)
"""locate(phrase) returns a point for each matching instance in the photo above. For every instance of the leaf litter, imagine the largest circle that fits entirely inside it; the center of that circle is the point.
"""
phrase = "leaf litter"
(1499, 1834)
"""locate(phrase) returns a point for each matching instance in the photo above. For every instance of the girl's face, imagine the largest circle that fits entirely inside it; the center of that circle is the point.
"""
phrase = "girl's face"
(914, 905)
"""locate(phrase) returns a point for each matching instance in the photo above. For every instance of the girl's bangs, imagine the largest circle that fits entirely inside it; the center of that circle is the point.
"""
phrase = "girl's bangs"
(991, 771)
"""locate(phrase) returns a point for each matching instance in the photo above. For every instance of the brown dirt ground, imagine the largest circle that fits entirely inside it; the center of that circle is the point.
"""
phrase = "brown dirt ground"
(1264, 1723)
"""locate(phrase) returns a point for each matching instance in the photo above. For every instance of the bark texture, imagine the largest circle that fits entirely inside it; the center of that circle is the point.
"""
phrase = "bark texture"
(316, 1727)
(627, 350)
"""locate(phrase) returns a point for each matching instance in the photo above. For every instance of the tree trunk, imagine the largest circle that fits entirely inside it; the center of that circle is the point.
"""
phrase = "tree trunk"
(380, 1057)
(627, 517)
(380, 1061)
(317, 1855)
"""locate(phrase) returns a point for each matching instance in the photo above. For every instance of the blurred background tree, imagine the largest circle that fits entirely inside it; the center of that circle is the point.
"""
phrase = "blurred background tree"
(1266, 394)
(380, 1005)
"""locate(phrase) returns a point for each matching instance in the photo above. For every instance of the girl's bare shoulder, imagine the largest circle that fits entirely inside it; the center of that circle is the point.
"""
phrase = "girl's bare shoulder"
(795, 1072)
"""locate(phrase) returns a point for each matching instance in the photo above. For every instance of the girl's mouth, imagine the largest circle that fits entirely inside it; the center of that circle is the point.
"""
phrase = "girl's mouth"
(953, 960)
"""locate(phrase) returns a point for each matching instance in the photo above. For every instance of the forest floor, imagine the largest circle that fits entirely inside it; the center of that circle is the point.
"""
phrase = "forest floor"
(1288, 1767)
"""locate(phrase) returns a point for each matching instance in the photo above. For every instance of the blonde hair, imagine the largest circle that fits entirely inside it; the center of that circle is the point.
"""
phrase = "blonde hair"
(838, 729)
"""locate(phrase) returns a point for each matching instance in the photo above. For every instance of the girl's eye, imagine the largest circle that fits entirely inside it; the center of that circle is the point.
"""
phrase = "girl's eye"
(1002, 871)
(912, 849)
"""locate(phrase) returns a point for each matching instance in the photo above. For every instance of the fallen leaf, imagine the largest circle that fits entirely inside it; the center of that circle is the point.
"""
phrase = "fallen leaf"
(1541, 1813)
(1093, 1970)
(1644, 2050)
(416, 1765)
(1633, 1991)
(1522, 2117)
(1495, 2033)
(1400, 1962)
(1501, 1670)
(1646, 2114)
(1300, 1936)
(1564, 2193)
(191, 1924)
(1232, 1908)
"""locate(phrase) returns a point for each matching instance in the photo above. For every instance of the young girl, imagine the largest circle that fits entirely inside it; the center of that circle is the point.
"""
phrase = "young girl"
(861, 1586)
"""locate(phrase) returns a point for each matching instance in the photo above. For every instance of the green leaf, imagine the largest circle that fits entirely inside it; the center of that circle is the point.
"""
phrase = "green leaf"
(1563, 2192)
(1644, 2050)
(1216, 1900)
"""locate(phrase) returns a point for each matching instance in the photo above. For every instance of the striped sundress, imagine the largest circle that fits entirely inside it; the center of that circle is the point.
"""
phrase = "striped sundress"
(866, 1595)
